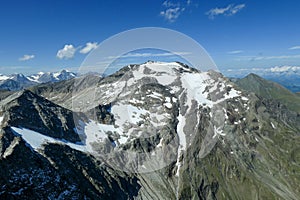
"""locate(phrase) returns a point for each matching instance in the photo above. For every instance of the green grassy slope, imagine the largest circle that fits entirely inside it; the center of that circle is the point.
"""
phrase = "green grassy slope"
(270, 90)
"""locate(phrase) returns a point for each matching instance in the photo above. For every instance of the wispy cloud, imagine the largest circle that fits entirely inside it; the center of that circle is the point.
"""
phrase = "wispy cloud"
(26, 57)
(294, 48)
(229, 10)
(67, 52)
(172, 10)
(256, 58)
(171, 14)
(235, 52)
(168, 4)
(9, 67)
(143, 55)
(89, 47)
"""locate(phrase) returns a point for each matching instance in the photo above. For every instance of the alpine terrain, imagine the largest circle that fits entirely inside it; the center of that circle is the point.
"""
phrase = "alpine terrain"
(149, 131)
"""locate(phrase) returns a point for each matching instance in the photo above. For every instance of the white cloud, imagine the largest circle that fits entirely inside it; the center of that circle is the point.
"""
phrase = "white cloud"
(171, 14)
(235, 52)
(89, 47)
(27, 57)
(168, 4)
(172, 10)
(227, 11)
(285, 69)
(67, 52)
(294, 48)
(236, 9)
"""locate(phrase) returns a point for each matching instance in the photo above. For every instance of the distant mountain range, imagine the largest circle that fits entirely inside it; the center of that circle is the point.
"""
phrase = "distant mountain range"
(19, 81)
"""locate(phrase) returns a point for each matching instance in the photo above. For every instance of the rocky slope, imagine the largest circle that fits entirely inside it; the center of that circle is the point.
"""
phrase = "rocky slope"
(149, 131)
(61, 92)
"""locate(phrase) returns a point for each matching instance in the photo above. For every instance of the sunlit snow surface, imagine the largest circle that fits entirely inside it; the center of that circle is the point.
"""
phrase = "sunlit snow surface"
(91, 132)
(3, 77)
(36, 140)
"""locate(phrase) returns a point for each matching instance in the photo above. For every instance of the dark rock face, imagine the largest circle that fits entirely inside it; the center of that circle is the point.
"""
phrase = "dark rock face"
(10, 85)
(57, 172)
(102, 114)
(26, 174)
(28, 110)
(243, 147)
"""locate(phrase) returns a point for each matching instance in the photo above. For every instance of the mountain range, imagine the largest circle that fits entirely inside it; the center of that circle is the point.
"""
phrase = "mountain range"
(19, 81)
(150, 131)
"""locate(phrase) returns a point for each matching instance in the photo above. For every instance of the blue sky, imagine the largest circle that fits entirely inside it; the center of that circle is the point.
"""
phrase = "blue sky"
(50, 35)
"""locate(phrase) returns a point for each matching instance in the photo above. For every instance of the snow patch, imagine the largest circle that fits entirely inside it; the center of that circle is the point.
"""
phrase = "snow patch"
(273, 126)
(218, 131)
(168, 105)
(3, 77)
(233, 93)
(160, 143)
(94, 132)
(195, 85)
(182, 140)
(125, 114)
(244, 98)
(164, 73)
(91, 132)
(36, 140)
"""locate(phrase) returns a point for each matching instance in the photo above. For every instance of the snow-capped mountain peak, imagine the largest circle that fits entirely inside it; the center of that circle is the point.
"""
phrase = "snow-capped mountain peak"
(3, 77)
(145, 99)
(64, 74)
